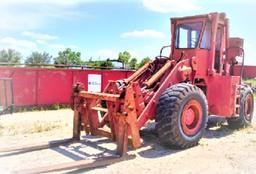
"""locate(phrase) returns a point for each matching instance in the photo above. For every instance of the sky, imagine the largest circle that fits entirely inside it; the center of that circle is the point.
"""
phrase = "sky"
(102, 28)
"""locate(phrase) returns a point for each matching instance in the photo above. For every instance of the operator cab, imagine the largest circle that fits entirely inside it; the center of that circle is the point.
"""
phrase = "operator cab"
(194, 37)
(187, 35)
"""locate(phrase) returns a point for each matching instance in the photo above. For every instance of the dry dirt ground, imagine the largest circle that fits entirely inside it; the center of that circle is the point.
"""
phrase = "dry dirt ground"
(220, 151)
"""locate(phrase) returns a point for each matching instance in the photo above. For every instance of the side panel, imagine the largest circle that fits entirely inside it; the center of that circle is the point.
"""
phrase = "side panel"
(221, 95)
(54, 86)
(42, 86)
(24, 84)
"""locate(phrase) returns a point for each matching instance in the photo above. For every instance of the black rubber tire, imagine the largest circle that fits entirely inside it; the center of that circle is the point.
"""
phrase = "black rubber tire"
(241, 121)
(169, 112)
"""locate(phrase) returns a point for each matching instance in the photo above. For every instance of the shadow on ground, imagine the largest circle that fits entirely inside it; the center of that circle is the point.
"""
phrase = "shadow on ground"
(93, 147)
(150, 138)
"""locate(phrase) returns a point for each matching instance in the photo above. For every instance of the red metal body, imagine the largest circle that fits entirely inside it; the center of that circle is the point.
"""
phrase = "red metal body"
(41, 86)
(180, 91)
(202, 54)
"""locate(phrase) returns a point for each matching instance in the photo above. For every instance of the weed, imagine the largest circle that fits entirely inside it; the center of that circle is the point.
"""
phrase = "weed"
(41, 108)
(55, 107)
(23, 109)
(229, 157)
(250, 81)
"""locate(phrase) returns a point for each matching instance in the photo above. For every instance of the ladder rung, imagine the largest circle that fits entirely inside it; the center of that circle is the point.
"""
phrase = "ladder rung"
(100, 109)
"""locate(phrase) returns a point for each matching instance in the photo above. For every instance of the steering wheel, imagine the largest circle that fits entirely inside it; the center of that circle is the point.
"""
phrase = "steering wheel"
(162, 57)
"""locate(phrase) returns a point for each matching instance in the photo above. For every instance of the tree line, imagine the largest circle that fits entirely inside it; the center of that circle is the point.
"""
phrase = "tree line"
(68, 57)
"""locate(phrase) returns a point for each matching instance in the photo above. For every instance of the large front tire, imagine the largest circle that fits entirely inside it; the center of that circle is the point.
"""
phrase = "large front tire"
(182, 113)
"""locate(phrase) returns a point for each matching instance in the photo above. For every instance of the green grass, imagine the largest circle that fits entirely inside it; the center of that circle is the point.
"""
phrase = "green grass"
(252, 82)
(41, 108)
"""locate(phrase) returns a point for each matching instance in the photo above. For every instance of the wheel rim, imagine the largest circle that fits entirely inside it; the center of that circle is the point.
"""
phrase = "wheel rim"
(248, 105)
(191, 118)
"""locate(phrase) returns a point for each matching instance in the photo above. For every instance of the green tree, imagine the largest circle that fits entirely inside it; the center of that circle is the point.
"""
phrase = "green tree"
(133, 63)
(144, 61)
(68, 57)
(38, 58)
(10, 56)
(124, 57)
(106, 63)
(100, 63)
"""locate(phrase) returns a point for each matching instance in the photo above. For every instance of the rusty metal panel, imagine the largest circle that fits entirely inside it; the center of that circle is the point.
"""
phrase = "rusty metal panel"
(2, 96)
(6, 95)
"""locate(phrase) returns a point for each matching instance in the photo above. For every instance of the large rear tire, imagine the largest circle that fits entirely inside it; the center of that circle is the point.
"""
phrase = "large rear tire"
(182, 113)
(245, 111)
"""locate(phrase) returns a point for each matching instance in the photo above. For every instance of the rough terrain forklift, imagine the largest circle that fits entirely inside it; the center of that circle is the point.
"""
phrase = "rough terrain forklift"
(179, 91)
